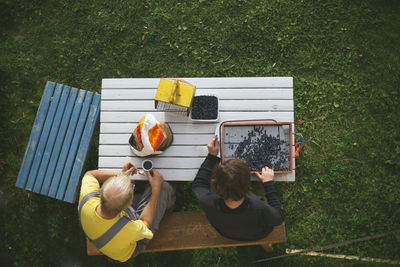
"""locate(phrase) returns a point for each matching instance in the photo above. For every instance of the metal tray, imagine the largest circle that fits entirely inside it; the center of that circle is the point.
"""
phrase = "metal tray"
(260, 142)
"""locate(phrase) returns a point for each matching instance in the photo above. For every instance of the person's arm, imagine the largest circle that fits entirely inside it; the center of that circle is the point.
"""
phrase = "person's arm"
(155, 179)
(101, 175)
(201, 183)
(267, 178)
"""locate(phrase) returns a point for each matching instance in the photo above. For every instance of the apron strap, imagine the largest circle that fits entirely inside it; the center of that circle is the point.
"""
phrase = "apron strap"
(112, 231)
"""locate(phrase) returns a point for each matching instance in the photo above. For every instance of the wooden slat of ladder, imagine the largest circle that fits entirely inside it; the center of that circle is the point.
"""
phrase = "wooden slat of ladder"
(192, 230)
(35, 135)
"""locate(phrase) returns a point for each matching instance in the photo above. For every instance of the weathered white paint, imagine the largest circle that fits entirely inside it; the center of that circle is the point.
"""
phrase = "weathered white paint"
(224, 94)
(214, 83)
(126, 101)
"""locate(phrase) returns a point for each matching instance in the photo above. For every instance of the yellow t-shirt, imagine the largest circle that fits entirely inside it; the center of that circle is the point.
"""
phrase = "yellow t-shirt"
(123, 244)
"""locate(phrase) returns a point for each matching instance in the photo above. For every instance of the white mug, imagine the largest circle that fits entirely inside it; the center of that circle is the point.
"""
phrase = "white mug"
(147, 165)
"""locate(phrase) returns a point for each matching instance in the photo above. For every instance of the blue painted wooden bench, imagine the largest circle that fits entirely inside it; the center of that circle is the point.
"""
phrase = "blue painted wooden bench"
(59, 142)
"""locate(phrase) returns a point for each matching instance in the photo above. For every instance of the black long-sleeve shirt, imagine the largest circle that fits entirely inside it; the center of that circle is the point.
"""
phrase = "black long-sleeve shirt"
(252, 220)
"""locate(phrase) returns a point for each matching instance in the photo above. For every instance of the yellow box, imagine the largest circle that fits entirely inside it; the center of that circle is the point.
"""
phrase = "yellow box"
(175, 92)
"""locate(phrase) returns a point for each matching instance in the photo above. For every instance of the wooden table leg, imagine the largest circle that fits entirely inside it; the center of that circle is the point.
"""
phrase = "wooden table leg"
(268, 247)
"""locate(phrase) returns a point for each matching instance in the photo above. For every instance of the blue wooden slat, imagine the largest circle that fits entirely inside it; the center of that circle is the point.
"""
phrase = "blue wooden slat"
(51, 139)
(35, 135)
(74, 146)
(59, 142)
(84, 145)
(67, 143)
(43, 138)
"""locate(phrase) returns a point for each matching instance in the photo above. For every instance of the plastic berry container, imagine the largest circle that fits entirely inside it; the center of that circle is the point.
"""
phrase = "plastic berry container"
(205, 108)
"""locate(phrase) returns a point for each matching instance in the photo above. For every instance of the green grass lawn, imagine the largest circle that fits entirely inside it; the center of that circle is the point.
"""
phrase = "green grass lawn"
(344, 57)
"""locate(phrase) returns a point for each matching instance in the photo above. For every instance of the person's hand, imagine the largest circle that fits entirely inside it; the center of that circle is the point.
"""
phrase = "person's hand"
(213, 146)
(266, 174)
(155, 179)
(129, 168)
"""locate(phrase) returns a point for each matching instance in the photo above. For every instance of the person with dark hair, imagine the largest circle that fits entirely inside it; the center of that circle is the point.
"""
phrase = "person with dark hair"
(233, 211)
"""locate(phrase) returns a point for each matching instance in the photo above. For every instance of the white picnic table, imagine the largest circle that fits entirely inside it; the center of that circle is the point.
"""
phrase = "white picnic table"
(125, 101)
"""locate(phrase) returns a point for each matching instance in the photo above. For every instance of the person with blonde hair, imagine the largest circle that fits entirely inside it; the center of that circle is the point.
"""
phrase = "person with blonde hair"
(116, 194)
(233, 210)
(119, 226)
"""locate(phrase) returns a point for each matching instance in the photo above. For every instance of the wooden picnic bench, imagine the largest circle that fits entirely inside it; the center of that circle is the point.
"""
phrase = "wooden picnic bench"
(126, 101)
(192, 230)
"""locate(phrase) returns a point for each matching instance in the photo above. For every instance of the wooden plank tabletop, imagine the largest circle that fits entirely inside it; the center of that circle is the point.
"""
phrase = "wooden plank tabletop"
(125, 101)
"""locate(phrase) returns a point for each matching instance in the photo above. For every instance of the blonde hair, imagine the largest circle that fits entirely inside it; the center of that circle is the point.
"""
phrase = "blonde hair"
(116, 194)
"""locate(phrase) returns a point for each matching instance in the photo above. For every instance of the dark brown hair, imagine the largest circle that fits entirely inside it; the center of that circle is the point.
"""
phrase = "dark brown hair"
(232, 179)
